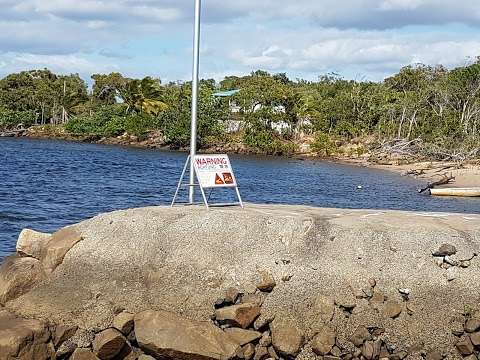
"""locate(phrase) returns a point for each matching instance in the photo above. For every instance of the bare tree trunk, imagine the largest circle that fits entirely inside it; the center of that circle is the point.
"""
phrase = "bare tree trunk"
(399, 134)
(413, 119)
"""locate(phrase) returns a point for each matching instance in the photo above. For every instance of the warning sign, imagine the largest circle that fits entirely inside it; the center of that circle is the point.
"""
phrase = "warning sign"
(214, 171)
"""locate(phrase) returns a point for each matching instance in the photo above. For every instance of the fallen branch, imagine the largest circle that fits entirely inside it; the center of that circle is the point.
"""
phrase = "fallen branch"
(445, 180)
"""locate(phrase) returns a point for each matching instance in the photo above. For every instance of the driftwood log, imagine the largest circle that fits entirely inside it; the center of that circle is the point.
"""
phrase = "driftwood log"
(445, 180)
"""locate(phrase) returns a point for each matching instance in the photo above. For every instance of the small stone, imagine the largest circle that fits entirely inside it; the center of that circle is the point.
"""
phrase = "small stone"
(108, 344)
(331, 357)
(324, 341)
(266, 339)
(377, 299)
(323, 308)
(404, 292)
(372, 282)
(445, 250)
(465, 263)
(261, 353)
(287, 338)
(465, 346)
(231, 295)
(123, 322)
(446, 266)
(262, 321)
(472, 325)
(83, 354)
(286, 277)
(273, 353)
(67, 348)
(250, 288)
(451, 261)
(475, 339)
(336, 351)
(392, 309)
(241, 315)
(346, 302)
(267, 282)
(368, 350)
(248, 351)
(434, 355)
(470, 357)
(242, 336)
(368, 293)
(451, 274)
(360, 335)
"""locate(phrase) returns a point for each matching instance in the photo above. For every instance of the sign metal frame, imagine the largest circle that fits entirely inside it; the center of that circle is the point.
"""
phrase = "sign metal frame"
(198, 182)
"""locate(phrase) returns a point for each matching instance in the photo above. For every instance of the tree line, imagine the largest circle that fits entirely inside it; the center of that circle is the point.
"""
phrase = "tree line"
(438, 106)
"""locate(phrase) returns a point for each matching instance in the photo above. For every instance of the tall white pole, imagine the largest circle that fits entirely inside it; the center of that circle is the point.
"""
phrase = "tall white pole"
(196, 61)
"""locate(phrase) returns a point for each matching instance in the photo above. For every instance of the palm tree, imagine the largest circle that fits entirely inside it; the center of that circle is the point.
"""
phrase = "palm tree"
(144, 96)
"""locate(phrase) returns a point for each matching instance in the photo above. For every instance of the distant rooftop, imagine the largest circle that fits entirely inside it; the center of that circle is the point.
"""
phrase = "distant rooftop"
(226, 93)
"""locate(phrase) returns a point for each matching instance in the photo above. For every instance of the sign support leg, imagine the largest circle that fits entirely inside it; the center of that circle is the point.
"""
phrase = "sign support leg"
(204, 197)
(239, 197)
(181, 179)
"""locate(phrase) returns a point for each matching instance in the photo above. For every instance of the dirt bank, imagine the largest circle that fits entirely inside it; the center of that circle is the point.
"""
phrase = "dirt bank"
(182, 260)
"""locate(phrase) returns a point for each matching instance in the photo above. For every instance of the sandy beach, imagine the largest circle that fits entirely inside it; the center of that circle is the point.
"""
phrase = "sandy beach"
(466, 174)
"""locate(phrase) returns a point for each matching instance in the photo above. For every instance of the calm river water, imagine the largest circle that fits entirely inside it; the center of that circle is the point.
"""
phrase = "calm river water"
(45, 185)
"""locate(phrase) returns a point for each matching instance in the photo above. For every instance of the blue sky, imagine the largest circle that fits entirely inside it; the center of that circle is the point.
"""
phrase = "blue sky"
(359, 39)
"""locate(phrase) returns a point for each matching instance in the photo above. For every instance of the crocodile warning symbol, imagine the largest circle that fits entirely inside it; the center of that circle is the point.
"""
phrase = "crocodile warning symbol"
(227, 177)
(218, 180)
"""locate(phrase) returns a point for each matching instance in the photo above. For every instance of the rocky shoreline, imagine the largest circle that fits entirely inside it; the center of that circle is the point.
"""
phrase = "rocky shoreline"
(280, 282)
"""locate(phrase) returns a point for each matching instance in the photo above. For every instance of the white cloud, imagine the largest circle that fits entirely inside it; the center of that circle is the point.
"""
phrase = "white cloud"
(389, 5)
(302, 37)
(64, 64)
(374, 54)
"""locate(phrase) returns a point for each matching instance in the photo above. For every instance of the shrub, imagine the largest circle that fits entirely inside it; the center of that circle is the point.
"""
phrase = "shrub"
(11, 119)
(324, 144)
(265, 141)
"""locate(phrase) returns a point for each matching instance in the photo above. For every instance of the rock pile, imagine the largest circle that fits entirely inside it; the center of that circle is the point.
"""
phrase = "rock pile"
(445, 258)
(237, 330)
(468, 344)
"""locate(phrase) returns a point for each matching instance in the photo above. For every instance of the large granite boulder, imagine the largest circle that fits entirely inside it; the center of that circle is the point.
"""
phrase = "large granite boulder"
(18, 275)
(22, 339)
(166, 335)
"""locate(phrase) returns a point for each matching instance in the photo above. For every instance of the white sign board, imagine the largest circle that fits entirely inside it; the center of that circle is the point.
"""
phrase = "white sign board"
(214, 171)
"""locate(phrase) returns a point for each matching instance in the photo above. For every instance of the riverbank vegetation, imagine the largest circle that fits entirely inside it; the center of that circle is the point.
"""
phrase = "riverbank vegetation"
(422, 111)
